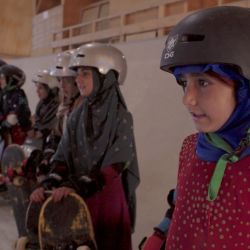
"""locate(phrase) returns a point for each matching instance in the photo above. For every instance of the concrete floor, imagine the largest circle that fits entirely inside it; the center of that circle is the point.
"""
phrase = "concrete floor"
(8, 231)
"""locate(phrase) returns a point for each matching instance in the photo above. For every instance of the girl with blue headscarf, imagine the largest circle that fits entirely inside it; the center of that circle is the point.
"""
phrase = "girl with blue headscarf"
(212, 208)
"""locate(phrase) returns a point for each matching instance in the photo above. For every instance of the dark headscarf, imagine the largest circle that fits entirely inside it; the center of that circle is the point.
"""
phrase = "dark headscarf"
(45, 114)
(100, 133)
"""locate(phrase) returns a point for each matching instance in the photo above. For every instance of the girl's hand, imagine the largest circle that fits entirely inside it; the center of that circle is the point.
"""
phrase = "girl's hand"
(37, 195)
(12, 119)
(31, 134)
(59, 193)
(38, 135)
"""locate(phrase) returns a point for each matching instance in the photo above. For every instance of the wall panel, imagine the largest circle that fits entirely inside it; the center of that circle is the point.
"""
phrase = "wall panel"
(16, 27)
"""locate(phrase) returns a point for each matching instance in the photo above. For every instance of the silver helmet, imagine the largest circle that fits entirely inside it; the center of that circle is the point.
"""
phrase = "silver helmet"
(103, 57)
(44, 77)
(61, 68)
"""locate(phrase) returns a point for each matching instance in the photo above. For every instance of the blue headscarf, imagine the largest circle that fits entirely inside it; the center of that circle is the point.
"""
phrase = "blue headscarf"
(235, 129)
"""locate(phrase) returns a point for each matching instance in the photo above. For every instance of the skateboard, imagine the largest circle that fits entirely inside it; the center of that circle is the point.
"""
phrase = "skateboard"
(14, 164)
(31, 222)
(18, 165)
(66, 225)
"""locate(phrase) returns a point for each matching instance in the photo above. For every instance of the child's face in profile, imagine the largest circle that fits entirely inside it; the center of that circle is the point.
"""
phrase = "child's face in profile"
(209, 99)
(42, 91)
(68, 86)
(84, 81)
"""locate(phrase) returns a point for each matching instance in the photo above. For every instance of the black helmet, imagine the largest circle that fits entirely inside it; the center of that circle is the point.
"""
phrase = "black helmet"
(13, 75)
(215, 35)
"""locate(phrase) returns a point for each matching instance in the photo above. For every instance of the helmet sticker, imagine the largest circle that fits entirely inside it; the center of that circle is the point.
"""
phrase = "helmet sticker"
(171, 42)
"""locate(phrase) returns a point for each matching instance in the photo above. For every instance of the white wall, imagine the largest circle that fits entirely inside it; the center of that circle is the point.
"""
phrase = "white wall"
(160, 121)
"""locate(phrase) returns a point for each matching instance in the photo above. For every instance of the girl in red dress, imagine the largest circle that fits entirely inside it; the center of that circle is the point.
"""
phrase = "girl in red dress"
(210, 61)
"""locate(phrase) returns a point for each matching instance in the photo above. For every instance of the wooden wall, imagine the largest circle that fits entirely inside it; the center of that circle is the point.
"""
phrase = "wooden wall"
(43, 5)
(72, 11)
(118, 6)
(16, 28)
(44, 24)
(51, 21)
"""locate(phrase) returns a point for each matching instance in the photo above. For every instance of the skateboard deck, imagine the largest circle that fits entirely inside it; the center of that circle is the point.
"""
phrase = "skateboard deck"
(12, 162)
(31, 221)
(65, 224)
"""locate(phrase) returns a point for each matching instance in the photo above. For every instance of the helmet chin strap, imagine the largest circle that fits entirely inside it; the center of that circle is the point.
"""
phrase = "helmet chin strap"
(8, 87)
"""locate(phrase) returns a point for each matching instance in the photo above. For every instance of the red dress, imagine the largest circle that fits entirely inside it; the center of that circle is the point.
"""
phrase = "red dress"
(110, 214)
(202, 225)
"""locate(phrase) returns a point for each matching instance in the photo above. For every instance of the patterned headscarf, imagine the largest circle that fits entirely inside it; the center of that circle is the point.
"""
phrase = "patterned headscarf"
(45, 114)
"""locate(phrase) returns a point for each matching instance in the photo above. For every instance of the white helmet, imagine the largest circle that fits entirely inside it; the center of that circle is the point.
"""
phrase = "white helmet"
(103, 57)
(44, 77)
(62, 65)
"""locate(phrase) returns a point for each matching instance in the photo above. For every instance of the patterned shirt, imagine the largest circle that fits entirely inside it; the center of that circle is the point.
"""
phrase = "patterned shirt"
(203, 225)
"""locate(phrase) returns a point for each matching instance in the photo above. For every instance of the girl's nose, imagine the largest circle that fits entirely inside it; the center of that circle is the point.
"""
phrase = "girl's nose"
(78, 79)
(190, 95)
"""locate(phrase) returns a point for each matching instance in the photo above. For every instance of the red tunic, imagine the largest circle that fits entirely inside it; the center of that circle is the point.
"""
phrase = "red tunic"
(202, 225)
(110, 215)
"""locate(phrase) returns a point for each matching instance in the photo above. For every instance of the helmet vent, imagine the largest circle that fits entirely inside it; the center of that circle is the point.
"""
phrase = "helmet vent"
(192, 38)
(80, 55)
(59, 67)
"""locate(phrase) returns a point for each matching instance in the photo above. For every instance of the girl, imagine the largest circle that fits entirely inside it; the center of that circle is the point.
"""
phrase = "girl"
(15, 122)
(212, 65)
(48, 93)
(15, 126)
(96, 156)
(70, 92)
(71, 100)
